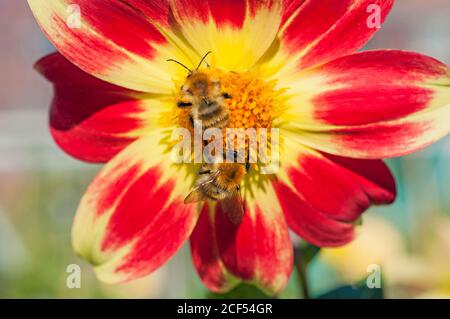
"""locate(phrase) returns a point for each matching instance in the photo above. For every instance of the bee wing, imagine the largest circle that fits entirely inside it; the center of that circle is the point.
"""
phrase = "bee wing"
(233, 207)
(194, 196)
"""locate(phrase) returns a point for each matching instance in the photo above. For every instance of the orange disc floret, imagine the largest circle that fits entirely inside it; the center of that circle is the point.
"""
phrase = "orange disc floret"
(252, 103)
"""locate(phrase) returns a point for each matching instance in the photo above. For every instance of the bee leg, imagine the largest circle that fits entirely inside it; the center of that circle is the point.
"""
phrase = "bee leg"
(204, 172)
(226, 95)
(183, 105)
(191, 120)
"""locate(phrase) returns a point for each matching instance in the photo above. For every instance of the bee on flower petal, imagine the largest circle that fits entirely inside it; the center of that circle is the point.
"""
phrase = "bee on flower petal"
(203, 94)
(221, 182)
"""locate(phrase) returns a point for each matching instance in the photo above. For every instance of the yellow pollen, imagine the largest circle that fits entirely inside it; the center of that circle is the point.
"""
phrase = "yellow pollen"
(252, 103)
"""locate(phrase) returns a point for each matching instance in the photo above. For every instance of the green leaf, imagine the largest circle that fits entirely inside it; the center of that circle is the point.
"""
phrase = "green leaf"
(242, 291)
(306, 252)
(309, 252)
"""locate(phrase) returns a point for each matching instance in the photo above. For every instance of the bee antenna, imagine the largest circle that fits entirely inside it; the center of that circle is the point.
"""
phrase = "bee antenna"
(172, 60)
(203, 59)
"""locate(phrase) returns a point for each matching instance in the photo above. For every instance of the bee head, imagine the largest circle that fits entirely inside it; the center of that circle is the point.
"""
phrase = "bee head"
(197, 84)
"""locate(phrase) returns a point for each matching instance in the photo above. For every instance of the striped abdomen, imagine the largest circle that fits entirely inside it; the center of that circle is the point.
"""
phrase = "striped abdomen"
(212, 114)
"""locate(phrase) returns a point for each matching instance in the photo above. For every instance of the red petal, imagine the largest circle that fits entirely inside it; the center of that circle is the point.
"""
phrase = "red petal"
(374, 104)
(324, 30)
(373, 176)
(258, 250)
(118, 41)
(90, 119)
(309, 223)
(376, 86)
(290, 8)
(338, 191)
(223, 13)
(321, 193)
(206, 257)
(132, 218)
(121, 24)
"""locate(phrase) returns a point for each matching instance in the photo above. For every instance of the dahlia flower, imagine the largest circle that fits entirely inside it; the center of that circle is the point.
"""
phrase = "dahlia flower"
(287, 64)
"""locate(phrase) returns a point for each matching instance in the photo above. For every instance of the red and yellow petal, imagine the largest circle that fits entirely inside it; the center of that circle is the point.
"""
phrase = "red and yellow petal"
(132, 218)
(316, 31)
(238, 32)
(374, 104)
(257, 251)
(95, 135)
(310, 224)
(322, 195)
(121, 42)
(90, 119)
(205, 255)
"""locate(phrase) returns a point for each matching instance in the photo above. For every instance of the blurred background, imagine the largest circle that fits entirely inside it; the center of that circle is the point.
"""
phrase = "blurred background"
(40, 188)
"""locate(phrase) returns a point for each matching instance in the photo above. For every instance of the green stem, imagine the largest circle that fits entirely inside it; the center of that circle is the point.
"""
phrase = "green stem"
(300, 266)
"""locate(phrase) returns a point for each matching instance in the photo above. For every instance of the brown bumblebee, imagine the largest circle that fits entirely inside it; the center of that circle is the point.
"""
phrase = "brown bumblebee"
(221, 182)
(203, 94)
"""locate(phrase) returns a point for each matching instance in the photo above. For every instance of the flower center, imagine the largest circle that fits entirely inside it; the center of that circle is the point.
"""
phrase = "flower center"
(250, 101)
